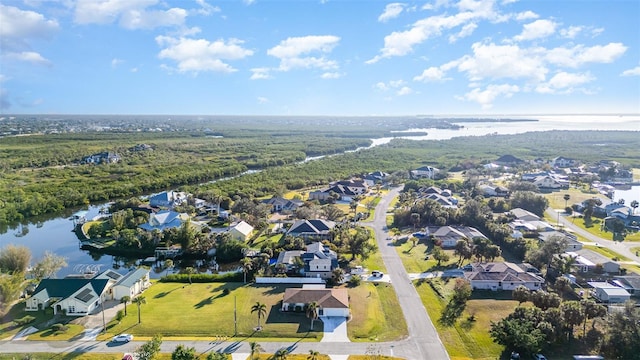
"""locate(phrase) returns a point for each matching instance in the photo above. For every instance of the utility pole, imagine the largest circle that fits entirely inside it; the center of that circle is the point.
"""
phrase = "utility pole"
(235, 315)
(104, 323)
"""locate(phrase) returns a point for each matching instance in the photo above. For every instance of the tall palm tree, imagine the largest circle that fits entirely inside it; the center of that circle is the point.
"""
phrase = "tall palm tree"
(566, 198)
(256, 349)
(124, 300)
(312, 312)
(313, 355)
(259, 308)
(190, 271)
(139, 301)
(247, 265)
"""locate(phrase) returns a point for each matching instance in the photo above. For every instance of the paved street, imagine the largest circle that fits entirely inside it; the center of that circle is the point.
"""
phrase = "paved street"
(422, 343)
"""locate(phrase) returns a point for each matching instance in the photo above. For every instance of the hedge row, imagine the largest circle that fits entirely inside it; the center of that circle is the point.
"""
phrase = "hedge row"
(203, 278)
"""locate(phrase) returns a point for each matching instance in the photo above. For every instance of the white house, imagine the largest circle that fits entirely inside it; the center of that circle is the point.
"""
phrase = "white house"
(331, 302)
(164, 219)
(501, 276)
(167, 199)
(523, 215)
(449, 236)
(241, 231)
(609, 293)
(132, 284)
(428, 172)
(586, 260)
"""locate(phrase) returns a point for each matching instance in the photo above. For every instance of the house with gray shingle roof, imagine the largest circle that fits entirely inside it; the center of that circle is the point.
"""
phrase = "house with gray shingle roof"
(315, 229)
(501, 276)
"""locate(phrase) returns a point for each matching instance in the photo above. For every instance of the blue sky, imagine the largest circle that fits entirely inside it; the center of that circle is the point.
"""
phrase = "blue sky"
(302, 57)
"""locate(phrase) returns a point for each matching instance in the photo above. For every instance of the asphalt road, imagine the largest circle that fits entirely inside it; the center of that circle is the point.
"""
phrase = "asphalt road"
(422, 343)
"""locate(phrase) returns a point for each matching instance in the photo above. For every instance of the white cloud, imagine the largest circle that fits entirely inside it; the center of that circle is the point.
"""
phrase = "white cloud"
(195, 55)
(564, 82)
(18, 28)
(260, 74)
(331, 75)
(405, 90)
(131, 14)
(431, 74)
(134, 70)
(486, 97)
(292, 51)
(115, 62)
(536, 30)
(391, 11)
(401, 43)
(262, 100)
(248, 2)
(571, 32)
(206, 8)
(526, 15)
(579, 55)
(502, 61)
(466, 30)
(632, 72)
(28, 56)
(381, 86)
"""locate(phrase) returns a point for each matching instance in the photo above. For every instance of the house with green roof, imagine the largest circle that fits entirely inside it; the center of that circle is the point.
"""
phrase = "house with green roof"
(82, 296)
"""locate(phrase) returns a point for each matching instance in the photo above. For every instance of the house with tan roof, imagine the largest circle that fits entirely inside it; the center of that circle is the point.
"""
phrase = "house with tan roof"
(501, 276)
(332, 302)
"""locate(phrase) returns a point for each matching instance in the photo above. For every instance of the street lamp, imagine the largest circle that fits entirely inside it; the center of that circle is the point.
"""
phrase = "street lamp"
(104, 323)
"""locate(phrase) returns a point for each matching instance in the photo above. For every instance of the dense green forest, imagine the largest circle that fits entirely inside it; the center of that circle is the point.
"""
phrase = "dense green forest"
(41, 174)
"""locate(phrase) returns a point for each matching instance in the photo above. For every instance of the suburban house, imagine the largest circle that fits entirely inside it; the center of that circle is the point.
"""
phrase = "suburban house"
(608, 293)
(164, 219)
(167, 199)
(288, 258)
(279, 204)
(331, 302)
(105, 157)
(493, 190)
(315, 229)
(501, 276)
(550, 182)
(240, 231)
(319, 261)
(428, 172)
(82, 296)
(587, 260)
(373, 178)
(523, 215)
(343, 193)
(449, 235)
(563, 162)
(356, 186)
(508, 160)
(631, 283)
(572, 241)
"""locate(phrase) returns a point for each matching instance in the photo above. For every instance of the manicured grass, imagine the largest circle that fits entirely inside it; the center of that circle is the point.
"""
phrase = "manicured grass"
(73, 333)
(83, 356)
(556, 198)
(607, 252)
(374, 261)
(375, 313)
(595, 229)
(8, 328)
(466, 339)
(203, 310)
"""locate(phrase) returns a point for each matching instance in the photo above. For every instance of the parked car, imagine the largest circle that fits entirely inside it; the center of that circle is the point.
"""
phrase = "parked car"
(539, 357)
(377, 273)
(122, 338)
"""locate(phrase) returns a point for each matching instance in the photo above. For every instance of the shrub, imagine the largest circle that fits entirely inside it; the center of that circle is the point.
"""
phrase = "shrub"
(24, 320)
(119, 315)
(226, 291)
(59, 328)
(354, 281)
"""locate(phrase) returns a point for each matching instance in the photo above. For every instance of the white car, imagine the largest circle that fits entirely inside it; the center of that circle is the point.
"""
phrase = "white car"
(539, 357)
(377, 273)
(122, 338)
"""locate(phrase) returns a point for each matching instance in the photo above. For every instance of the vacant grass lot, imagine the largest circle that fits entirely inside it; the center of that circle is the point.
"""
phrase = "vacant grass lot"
(203, 310)
(375, 313)
(607, 252)
(413, 258)
(466, 339)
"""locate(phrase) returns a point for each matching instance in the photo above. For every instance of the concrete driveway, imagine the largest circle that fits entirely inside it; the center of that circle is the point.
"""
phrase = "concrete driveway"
(335, 329)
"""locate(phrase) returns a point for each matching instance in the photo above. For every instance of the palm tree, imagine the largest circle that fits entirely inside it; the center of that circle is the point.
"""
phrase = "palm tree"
(168, 264)
(312, 312)
(190, 271)
(261, 309)
(313, 355)
(246, 267)
(281, 354)
(337, 275)
(566, 198)
(256, 349)
(634, 204)
(139, 301)
(124, 300)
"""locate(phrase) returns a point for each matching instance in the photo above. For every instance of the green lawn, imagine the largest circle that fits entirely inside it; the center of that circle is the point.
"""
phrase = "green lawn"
(73, 333)
(8, 328)
(203, 310)
(607, 252)
(466, 339)
(595, 229)
(373, 262)
(375, 313)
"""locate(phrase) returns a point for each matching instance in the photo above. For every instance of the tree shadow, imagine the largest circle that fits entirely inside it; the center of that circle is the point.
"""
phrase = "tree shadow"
(165, 293)
(204, 302)
(451, 313)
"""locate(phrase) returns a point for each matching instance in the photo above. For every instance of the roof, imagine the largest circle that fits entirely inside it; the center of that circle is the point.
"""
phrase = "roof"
(244, 228)
(591, 256)
(615, 291)
(63, 288)
(315, 226)
(326, 298)
(631, 281)
(457, 233)
(286, 257)
(500, 271)
(520, 213)
(133, 277)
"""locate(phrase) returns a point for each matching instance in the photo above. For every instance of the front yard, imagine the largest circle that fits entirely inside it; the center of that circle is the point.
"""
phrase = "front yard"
(376, 314)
